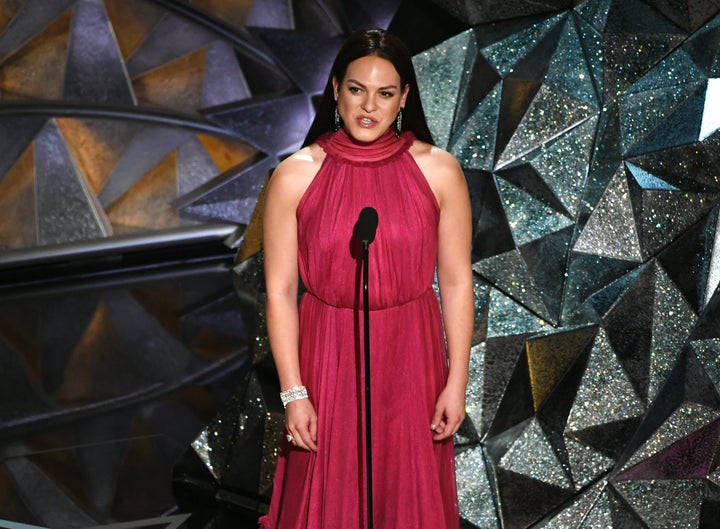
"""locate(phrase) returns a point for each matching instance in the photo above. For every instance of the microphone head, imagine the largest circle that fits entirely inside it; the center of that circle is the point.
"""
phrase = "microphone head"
(366, 225)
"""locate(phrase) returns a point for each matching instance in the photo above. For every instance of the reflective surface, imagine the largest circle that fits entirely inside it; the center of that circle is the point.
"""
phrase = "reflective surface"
(588, 132)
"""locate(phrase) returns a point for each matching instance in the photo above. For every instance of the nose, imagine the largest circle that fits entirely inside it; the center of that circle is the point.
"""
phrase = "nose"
(368, 103)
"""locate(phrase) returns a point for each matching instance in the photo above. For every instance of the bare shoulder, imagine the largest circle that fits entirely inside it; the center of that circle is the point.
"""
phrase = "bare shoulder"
(440, 168)
(294, 174)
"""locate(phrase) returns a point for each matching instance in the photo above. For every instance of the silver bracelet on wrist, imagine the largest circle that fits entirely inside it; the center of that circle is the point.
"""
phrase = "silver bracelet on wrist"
(293, 394)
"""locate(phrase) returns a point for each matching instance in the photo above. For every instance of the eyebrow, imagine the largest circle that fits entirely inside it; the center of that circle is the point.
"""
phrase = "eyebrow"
(381, 88)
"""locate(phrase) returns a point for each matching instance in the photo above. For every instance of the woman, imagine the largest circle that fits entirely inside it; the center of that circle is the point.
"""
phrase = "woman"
(369, 146)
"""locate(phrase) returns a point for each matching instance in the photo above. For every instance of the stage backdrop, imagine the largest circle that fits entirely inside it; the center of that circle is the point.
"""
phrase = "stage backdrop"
(588, 132)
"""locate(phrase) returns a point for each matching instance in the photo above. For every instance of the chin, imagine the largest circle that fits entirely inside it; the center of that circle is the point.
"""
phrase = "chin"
(366, 135)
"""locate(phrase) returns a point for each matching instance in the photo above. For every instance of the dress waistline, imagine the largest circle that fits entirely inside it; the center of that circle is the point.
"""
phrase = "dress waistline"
(428, 290)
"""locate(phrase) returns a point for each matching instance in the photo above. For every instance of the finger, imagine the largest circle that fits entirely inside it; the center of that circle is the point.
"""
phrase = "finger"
(436, 419)
(306, 441)
(313, 429)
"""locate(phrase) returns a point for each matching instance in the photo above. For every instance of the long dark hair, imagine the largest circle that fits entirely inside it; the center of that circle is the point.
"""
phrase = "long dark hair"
(386, 46)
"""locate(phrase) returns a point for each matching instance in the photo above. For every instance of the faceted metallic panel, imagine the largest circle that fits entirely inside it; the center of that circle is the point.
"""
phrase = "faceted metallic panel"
(173, 37)
(306, 59)
(224, 79)
(66, 209)
(147, 149)
(253, 121)
(95, 70)
(32, 18)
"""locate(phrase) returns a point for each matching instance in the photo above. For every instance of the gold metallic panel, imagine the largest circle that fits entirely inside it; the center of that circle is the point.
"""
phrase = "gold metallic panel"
(19, 328)
(178, 85)
(147, 204)
(133, 20)
(226, 153)
(17, 204)
(96, 145)
(231, 12)
(252, 241)
(549, 358)
(37, 70)
(98, 365)
(8, 8)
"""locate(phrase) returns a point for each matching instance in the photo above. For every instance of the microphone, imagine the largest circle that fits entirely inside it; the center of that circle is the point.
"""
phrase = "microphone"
(366, 225)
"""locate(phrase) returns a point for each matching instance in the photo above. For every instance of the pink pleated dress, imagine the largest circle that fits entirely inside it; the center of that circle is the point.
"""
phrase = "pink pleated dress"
(413, 476)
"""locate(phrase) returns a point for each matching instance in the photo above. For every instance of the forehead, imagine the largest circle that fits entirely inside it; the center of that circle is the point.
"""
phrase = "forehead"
(373, 70)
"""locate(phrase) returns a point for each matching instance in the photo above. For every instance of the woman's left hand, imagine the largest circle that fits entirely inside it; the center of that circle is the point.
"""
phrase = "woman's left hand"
(449, 412)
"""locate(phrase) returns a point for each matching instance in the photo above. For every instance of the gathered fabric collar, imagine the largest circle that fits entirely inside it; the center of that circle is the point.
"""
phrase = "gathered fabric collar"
(340, 145)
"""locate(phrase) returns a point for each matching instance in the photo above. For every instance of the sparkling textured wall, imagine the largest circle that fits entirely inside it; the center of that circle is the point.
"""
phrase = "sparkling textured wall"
(588, 132)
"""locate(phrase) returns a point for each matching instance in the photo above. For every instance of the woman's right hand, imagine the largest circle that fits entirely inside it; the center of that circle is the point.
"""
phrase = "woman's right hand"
(301, 423)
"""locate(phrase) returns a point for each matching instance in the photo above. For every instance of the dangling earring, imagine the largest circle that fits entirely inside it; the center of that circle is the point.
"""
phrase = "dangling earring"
(398, 123)
(336, 123)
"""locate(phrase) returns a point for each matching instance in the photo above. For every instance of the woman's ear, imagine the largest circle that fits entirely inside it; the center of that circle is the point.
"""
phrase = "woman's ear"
(406, 90)
(335, 87)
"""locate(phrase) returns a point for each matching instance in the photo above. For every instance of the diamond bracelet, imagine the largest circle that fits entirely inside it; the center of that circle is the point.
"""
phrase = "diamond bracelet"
(293, 394)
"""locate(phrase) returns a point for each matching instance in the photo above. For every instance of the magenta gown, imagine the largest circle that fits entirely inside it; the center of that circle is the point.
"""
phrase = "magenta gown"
(413, 477)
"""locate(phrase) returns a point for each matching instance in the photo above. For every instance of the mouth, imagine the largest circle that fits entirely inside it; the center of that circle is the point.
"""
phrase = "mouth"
(366, 122)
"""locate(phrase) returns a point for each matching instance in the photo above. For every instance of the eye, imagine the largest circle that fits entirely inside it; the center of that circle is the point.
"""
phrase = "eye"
(353, 89)
(387, 94)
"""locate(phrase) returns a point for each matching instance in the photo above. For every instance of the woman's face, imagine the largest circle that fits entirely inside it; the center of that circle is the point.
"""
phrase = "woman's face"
(369, 97)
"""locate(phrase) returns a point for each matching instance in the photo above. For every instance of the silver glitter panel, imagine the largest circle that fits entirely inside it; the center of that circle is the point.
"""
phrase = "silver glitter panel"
(475, 496)
(569, 70)
(612, 513)
(474, 143)
(587, 276)
(507, 317)
(678, 124)
(550, 114)
(708, 353)
(95, 71)
(546, 259)
(686, 419)
(535, 454)
(605, 394)
(671, 504)
(501, 358)
(611, 231)
(564, 163)
(572, 516)
(66, 209)
(586, 464)
(504, 54)
(474, 391)
(672, 323)
(667, 214)
(528, 218)
(711, 111)
(691, 457)
(440, 72)
(508, 272)
(713, 265)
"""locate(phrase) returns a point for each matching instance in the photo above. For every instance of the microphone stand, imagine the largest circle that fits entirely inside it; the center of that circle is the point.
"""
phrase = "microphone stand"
(365, 232)
(368, 427)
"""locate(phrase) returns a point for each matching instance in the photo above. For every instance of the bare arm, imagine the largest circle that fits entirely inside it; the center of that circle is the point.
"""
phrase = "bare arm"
(285, 189)
(456, 285)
